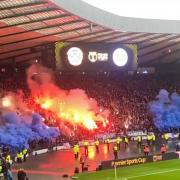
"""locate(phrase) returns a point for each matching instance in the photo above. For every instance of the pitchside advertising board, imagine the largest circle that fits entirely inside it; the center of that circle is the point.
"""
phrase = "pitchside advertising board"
(96, 56)
(138, 160)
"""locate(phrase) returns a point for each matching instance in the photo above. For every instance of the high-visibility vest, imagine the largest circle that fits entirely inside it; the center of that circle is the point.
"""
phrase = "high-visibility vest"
(8, 158)
(126, 140)
(115, 148)
(166, 136)
(107, 141)
(149, 137)
(86, 143)
(138, 139)
(20, 155)
(153, 137)
(96, 143)
(118, 140)
(76, 149)
(24, 151)
(77, 146)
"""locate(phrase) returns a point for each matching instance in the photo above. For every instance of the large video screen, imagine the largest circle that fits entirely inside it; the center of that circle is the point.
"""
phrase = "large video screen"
(97, 57)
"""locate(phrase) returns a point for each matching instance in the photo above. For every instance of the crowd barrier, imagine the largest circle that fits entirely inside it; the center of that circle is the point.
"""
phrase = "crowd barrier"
(131, 134)
(138, 160)
(41, 151)
(55, 148)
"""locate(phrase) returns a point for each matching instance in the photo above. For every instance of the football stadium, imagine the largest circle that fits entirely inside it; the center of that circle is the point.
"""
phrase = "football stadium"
(89, 90)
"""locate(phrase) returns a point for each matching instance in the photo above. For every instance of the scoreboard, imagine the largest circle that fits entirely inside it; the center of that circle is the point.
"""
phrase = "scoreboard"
(96, 57)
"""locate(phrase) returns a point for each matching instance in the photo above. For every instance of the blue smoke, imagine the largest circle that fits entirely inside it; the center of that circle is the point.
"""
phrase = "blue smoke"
(165, 111)
(16, 131)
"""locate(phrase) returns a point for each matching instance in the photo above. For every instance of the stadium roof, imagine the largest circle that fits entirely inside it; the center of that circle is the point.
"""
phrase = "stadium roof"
(27, 25)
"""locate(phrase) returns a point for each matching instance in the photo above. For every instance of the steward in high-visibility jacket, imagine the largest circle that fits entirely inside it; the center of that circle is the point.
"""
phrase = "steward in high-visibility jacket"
(153, 138)
(1, 171)
(8, 160)
(97, 145)
(86, 144)
(139, 141)
(149, 138)
(107, 141)
(115, 150)
(166, 137)
(24, 152)
(19, 157)
(76, 151)
(126, 141)
(118, 142)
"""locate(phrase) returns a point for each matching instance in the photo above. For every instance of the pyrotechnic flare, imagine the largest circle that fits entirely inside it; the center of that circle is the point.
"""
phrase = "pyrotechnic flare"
(19, 123)
(73, 106)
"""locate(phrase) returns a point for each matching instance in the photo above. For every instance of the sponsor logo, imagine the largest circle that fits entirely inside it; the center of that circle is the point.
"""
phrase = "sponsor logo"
(157, 158)
(95, 56)
(129, 162)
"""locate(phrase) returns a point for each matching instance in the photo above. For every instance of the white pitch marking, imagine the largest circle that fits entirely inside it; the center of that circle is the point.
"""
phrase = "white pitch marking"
(160, 172)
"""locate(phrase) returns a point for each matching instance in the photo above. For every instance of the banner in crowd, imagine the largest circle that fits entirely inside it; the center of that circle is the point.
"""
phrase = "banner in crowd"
(106, 135)
(136, 133)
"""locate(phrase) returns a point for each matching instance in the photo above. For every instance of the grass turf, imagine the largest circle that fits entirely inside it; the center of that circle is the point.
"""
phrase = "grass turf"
(164, 170)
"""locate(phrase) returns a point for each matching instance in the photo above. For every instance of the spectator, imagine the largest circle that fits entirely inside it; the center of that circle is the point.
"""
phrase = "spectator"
(21, 175)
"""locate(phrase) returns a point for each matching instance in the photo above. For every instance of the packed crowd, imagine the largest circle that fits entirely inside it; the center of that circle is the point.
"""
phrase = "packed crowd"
(126, 96)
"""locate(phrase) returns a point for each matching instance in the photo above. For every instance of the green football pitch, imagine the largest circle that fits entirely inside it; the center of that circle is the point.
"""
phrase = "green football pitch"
(164, 170)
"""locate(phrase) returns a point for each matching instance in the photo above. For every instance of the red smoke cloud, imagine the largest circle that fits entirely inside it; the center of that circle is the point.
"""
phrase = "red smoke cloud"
(72, 106)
